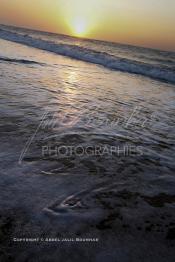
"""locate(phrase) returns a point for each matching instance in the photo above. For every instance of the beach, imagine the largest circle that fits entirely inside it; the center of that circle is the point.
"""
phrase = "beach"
(87, 149)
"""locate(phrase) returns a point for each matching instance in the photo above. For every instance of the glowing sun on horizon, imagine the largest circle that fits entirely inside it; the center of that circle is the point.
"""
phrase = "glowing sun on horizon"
(80, 18)
(79, 27)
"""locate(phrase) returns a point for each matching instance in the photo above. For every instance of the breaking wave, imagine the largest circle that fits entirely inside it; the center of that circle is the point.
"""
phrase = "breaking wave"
(158, 72)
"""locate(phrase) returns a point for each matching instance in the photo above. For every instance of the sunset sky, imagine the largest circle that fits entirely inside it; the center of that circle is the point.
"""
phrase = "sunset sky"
(149, 23)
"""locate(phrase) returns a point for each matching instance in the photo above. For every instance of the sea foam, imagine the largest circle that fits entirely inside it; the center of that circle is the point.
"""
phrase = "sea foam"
(109, 61)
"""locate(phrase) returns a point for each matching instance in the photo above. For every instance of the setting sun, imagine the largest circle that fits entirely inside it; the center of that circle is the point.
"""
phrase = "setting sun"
(79, 17)
(79, 27)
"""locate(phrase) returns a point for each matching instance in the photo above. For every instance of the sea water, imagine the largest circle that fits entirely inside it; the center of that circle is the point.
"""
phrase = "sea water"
(87, 138)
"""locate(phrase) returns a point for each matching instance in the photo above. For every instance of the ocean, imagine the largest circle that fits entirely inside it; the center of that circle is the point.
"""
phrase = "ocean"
(87, 147)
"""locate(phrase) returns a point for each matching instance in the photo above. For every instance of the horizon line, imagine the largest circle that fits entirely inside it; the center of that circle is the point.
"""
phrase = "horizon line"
(86, 39)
